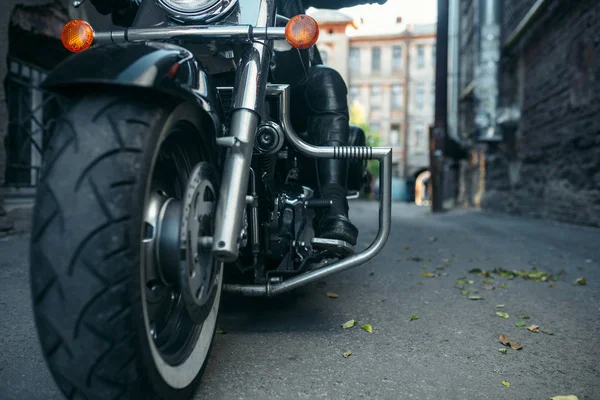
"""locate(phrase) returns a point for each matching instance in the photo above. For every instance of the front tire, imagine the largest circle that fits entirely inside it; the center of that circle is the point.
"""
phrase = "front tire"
(95, 309)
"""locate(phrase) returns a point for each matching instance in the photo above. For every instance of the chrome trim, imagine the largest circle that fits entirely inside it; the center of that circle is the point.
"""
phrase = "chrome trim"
(278, 133)
(248, 101)
(353, 195)
(234, 187)
(228, 33)
(211, 12)
(384, 155)
(246, 90)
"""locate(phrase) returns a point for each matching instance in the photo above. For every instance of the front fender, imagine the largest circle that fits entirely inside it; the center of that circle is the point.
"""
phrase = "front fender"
(161, 67)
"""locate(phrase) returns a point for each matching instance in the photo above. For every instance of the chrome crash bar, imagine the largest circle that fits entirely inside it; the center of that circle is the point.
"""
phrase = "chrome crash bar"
(246, 33)
(382, 154)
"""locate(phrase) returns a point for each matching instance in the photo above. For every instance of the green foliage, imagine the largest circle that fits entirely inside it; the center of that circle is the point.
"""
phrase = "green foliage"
(373, 138)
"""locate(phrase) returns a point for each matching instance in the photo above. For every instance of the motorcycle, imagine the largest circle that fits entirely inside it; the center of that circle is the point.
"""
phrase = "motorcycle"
(177, 168)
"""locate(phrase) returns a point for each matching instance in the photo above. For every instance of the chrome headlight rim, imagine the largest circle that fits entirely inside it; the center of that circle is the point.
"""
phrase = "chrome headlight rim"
(214, 10)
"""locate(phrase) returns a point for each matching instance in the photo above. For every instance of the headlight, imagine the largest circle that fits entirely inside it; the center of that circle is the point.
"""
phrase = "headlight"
(188, 6)
(195, 10)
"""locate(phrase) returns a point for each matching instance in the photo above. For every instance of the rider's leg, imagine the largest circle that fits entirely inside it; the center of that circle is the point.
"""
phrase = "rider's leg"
(325, 97)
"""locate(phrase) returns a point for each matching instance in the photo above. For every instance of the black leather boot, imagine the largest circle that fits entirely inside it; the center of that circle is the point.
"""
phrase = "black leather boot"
(333, 223)
(328, 125)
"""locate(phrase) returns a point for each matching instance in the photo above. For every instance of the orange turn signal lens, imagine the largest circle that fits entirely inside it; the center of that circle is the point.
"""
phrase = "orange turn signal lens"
(302, 31)
(77, 35)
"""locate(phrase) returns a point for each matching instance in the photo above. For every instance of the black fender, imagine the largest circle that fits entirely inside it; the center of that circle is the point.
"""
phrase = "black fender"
(160, 67)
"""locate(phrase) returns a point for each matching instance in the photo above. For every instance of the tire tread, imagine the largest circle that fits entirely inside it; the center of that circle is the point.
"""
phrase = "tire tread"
(62, 345)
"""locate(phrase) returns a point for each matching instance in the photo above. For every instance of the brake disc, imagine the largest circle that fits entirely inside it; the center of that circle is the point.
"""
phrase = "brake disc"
(198, 271)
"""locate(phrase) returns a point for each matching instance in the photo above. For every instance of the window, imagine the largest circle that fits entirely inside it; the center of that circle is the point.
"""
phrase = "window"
(396, 58)
(355, 59)
(420, 95)
(395, 135)
(419, 138)
(31, 117)
(397, 96)
(376, 59)
(375, 96)
(433, 54)
(354, 94)
(420, 56)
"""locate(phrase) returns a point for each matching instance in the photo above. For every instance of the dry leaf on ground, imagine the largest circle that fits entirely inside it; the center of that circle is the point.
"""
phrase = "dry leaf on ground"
(475, 297)
(506, 383)
(349, 324)
(569, 397)
(534, 328)
(499, 305)
(507, 342)
(429, 275)
(580, 281)
(502, 314)
(414, 317)
(347, 354)
(464, 282)
(367, 328)
(522, 316)
(520, 324)
(503, 351)
(332, 295)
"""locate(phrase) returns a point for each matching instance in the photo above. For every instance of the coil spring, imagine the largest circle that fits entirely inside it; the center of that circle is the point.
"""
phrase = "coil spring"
(267, 167)
(353, 152)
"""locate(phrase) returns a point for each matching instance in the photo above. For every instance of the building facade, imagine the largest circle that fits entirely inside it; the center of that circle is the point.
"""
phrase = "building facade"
(527, 106)
(390, 75)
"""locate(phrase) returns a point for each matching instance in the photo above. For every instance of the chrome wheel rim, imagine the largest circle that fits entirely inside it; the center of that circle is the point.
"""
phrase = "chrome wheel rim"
(179, 344)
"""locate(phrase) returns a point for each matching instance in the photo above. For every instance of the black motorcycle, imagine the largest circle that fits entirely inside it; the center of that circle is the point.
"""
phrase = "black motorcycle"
(176, 167)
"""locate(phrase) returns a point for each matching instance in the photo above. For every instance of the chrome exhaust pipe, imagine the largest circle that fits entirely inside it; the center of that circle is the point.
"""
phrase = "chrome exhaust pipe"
(382, 154)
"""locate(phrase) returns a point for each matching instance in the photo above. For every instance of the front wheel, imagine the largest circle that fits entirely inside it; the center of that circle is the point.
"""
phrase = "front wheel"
(125, 300)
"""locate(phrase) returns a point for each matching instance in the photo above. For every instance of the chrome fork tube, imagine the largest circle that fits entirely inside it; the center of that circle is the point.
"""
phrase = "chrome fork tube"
(248, 101)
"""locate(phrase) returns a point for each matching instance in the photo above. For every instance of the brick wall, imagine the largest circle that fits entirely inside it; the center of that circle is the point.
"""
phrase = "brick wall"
(550, 167)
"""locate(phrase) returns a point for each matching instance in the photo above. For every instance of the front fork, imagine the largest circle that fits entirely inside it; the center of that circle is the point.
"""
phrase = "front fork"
(248, 101)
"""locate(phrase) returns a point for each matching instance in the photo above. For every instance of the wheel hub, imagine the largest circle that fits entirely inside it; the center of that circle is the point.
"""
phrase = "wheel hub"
(181, 255)
(198, 275)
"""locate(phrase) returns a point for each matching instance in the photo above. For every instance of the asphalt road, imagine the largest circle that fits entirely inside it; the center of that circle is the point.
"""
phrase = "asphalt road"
(291, 347)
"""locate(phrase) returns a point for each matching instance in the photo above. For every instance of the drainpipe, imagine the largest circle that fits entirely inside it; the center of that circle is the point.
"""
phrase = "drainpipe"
(454, 69)
(487, 74)
(407, 92)
(437, 134)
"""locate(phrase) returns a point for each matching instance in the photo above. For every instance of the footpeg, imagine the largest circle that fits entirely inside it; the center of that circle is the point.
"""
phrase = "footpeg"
(335, 247)
(318, 203)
